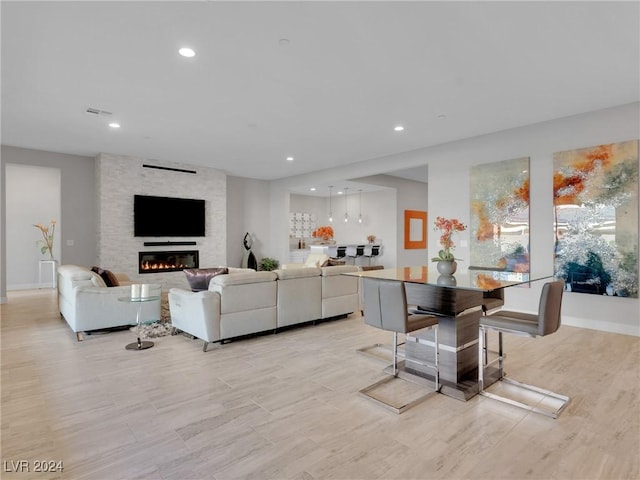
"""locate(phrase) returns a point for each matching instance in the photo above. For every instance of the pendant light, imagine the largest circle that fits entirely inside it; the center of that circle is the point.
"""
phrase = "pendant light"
(346, 215)
(360, 215)
(330, 210)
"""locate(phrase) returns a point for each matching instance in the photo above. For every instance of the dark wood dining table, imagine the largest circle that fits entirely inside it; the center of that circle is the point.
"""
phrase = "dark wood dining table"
(457, 301)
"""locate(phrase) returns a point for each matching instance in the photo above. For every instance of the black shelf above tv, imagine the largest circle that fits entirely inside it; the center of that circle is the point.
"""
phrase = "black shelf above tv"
(167, 244)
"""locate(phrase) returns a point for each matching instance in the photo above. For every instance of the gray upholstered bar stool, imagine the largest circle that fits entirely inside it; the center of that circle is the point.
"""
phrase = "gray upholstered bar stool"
(546, 322)
(492, 300)
(385, 307)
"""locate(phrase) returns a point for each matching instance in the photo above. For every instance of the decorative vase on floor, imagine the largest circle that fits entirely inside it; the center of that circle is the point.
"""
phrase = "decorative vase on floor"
(447, 268)
(248, 259)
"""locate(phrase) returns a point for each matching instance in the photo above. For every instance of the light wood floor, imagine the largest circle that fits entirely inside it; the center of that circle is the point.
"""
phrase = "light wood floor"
(285, 407)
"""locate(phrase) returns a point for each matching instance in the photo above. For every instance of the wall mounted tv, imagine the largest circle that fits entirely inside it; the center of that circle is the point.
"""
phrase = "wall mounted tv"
(167, 217)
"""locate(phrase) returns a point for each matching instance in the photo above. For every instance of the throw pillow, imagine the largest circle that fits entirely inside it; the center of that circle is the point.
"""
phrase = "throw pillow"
(97, 280)
(316, 260)
(199, 278)
(334, 263)
(110, 280)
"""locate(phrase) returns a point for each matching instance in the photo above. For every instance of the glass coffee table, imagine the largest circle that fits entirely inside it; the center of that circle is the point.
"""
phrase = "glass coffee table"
(139, 344)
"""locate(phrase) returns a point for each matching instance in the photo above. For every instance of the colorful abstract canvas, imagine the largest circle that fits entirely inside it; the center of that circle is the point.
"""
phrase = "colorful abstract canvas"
(499, 223)
(595, 193)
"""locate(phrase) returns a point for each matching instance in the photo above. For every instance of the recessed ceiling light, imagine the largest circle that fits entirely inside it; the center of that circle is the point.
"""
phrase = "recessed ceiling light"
(313, 189)
(442, 116)
(398, 128)
(187, 52)
(283, 42)
(114, 125)
(290, 159)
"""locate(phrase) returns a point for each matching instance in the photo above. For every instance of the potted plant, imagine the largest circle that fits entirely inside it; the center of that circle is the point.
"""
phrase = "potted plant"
(268, 264)
(446, 260)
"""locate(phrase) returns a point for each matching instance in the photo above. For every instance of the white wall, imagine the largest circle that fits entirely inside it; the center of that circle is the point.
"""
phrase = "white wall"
(449, 196)
(3, 233)
(247, 211)
(119, 177)
(378, 218)
(32, 196)
(76, 235)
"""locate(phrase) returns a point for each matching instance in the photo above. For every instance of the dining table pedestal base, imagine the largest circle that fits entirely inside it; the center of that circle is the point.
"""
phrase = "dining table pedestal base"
(458, 337)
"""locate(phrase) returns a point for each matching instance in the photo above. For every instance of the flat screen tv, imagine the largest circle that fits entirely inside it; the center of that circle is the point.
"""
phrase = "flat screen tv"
(167, 217)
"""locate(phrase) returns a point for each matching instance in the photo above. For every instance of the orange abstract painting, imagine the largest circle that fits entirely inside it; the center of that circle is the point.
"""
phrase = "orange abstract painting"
(500, 215)
(595, 197)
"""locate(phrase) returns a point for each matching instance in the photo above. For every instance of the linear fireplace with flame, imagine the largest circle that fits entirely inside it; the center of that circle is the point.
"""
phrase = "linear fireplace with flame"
(167, 261)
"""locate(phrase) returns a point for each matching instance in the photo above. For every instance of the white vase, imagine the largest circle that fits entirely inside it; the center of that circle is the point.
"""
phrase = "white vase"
(447, 268)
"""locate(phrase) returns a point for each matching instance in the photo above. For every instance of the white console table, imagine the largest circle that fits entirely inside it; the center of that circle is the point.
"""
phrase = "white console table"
(54, 272)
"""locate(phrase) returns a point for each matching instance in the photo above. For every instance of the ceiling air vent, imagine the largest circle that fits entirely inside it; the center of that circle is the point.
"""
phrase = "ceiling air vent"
(97, 111)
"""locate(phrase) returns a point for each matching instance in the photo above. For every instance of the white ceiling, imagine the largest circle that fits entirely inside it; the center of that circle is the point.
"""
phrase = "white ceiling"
(330, 96)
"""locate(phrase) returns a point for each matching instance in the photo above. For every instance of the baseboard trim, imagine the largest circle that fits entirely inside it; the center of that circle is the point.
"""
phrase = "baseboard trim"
(602, 326)
(29, 286)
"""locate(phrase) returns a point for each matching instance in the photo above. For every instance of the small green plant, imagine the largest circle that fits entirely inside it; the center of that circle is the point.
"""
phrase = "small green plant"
(267, 264)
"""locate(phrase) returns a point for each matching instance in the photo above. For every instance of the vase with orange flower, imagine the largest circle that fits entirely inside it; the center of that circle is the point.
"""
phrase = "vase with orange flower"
(324, 234)
(447, 264)
(46, 244)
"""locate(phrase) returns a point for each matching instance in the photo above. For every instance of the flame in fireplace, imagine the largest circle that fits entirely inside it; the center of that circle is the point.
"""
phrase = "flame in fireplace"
(159, 265)
(167, 261)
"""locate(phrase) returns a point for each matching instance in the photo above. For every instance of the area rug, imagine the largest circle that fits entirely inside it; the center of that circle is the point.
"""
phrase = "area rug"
(154, 330)
(161, 328)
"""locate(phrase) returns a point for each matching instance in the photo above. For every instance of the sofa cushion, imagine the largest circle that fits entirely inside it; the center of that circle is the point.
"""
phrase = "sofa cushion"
(97, 280)
(199, 278)
(110, 280)
(338, 270)
(301, 272)
(244, 277)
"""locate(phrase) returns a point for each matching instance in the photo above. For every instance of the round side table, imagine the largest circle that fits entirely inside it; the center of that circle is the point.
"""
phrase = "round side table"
(139, 345)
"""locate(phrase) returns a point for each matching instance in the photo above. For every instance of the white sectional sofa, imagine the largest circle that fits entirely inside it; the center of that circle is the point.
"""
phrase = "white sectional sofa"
(87, 304)
(299, 295)
(339, 292)
(247, 302)
(242, 303)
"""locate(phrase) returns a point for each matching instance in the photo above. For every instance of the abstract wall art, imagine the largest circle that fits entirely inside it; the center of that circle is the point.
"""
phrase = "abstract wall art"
(595, 197)
(301, 224)
(500, 215)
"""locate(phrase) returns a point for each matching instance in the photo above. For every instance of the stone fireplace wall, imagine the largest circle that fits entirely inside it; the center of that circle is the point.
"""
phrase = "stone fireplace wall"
(119, 178)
